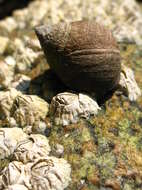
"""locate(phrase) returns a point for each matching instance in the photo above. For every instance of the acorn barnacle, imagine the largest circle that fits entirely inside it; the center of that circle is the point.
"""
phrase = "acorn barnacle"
(83, 54)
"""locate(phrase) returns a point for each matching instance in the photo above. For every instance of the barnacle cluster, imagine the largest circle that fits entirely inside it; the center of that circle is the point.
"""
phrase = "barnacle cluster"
(31, 165)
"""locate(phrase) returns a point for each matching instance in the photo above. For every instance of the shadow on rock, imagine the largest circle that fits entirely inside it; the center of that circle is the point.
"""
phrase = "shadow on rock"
(47, 85)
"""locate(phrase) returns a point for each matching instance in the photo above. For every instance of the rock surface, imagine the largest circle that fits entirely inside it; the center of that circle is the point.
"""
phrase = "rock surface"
(105, 151)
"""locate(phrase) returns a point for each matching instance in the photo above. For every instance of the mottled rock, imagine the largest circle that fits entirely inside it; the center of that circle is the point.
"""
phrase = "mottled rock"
(95, 153)
(68, 108)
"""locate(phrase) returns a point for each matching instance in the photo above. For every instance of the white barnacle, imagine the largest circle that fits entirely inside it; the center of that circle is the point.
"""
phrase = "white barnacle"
(9, 138)
(68, 108)
(34, 146)
(6, 102)
(50, 173)
(128, 84)
(15, 173)
(43, 173)
(16, 187)
(29, 110)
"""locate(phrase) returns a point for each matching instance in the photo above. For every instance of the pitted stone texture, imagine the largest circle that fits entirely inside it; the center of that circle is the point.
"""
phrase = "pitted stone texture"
(67, 108)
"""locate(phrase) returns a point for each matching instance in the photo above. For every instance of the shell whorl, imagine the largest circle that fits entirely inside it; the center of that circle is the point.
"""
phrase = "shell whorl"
(84, 55)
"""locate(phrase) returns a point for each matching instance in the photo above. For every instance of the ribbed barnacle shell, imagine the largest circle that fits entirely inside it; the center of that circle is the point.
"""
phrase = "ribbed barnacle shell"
(9, 139)
(16, 187)
(128, 84)
(34, 146)
(84, 55)
(67, 108)
(48, 173)
(29, 110)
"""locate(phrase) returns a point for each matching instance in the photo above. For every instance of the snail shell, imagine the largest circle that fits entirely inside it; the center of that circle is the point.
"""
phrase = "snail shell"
(83, 54)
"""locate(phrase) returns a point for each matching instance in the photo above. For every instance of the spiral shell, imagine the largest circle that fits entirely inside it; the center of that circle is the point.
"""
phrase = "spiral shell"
(83, 54)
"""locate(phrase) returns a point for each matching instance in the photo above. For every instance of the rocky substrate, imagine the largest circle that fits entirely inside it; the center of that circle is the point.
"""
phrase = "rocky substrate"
(52, 138)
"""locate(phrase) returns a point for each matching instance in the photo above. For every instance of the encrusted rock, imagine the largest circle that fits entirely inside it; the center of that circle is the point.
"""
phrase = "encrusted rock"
(19, 17)
(41, 128)
(59, 149)
(9, 138)
(6, 73)
(29, 110)
(68, 108)
(6, 102)
(10, 61)
(33, 147)
(44, 173)
(24, 55)
(3, 44)
(128, 84)
(8, 25)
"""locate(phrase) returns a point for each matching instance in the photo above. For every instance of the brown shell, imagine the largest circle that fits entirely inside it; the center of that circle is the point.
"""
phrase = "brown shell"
(83, 54)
